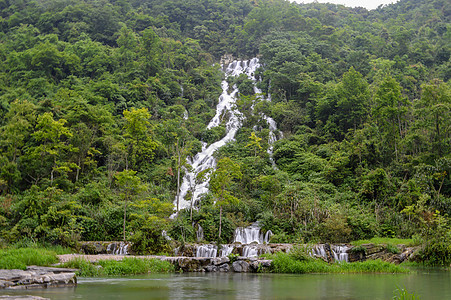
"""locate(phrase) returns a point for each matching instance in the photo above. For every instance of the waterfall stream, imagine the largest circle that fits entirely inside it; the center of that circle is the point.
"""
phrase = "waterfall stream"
(225, 107)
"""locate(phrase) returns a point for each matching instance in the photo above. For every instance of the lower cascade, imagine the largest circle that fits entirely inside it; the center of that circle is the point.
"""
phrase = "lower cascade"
(331, 252)
(118, 248)
(248, 241)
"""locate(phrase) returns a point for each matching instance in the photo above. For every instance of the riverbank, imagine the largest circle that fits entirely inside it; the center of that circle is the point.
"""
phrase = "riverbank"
(95, 265)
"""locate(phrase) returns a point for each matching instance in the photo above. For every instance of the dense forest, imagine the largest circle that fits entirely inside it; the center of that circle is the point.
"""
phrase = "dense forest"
(102, 101)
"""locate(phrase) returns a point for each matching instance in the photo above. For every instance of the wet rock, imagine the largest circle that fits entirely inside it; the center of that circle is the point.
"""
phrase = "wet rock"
(240, 266)
(224, 268)
(211, 269)
(37, 277)
(220, 260)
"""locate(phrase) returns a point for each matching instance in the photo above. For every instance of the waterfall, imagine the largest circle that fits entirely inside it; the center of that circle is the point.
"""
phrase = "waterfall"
(199, 233)
(250, 251)
(331, 253)
(117, 248)
(205, 159)
(208, 250)
(251, 234)
(340, 253)
(226, 250)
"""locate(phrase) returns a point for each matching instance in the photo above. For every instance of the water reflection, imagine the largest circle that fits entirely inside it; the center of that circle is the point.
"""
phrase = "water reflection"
(427, 284)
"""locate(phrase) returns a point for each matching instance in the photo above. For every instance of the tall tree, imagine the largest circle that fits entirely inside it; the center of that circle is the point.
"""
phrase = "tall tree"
(220, 183)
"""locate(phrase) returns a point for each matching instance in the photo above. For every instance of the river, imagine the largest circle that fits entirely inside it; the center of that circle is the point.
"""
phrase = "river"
(425, 283)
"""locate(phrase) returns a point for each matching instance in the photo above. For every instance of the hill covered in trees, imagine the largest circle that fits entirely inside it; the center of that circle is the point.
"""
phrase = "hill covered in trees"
(102, 101)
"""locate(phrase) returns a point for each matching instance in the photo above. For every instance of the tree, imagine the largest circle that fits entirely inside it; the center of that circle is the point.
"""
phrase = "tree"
(254, 143)
(434, 113)
(389, 111)
(21, 117)
(52, 136)
(130, 185)
(139, 144)
(220, 182)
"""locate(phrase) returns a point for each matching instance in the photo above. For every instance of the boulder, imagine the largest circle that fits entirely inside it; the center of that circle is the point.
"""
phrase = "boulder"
(241, 266)
(224, 268)
(37, 277)
(211, 268)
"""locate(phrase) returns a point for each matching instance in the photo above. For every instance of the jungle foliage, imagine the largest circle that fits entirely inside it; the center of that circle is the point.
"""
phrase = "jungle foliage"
(102, 101)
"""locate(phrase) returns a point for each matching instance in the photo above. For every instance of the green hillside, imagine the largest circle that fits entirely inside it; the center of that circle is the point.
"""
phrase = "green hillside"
(94, 97)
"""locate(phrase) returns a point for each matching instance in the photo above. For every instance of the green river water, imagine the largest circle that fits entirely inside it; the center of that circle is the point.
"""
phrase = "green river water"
(428, 284)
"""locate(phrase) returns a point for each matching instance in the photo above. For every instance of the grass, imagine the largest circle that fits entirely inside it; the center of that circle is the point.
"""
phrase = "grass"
(403, 294)
(128, 266)
(22, 257)
(284, 263)
(385, 241)
(58, 249)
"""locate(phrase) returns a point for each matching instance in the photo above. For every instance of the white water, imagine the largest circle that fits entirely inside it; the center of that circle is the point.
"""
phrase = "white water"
(207, 250)
(226, 250)
(117, 248)
(251, 234)
(339, 252)
(205, 159)
(199, 233)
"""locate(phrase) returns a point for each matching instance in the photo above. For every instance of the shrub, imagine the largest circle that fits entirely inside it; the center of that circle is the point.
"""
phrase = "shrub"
(300, 253)
(284, 263)
(85, 268)
(403, 294)
(392, 249)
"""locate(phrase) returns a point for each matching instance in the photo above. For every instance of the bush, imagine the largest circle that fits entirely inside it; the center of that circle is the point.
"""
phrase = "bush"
(85, 268)
(393, 249)
(300, 253)
(285, 263)
(403, 294)
(435, 254)
(23, 257)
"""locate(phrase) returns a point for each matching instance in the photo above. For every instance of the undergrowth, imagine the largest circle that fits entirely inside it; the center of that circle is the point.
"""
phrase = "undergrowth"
(127, 266)
(285, 263)
(22, 257)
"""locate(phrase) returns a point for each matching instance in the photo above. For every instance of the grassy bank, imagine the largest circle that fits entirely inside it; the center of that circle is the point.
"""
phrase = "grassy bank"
(128, 266)
(22, 257)
(286, 263)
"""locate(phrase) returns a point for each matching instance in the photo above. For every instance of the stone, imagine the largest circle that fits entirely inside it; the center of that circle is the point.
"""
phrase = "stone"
(224, 268)
(211, 269)
(240, 266)
(37, 277)
(220, 260)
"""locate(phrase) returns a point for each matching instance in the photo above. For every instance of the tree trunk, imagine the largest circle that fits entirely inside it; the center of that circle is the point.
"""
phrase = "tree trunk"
(220, 223)
(178, 175)
(125, 216)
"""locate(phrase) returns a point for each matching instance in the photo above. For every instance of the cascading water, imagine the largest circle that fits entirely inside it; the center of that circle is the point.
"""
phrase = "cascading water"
(206, 251)
(199, 233)
(340, 252)
(226, 250)
(251, 234)
(332, 252)
(205, 159)
(118, 248)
